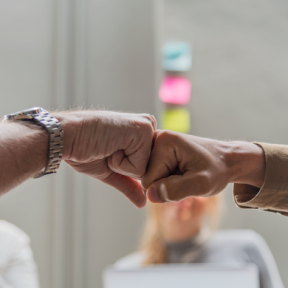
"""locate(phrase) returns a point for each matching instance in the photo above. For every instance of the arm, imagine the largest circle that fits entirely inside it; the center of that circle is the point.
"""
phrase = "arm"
(184, 165)
(109, 146)
(23, 153)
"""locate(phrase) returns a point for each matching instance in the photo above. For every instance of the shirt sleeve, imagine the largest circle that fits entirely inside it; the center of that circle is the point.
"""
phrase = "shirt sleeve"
(273, 196)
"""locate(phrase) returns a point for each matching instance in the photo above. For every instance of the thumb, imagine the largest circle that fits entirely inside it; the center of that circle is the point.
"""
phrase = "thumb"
(131, 188)
(177, 187)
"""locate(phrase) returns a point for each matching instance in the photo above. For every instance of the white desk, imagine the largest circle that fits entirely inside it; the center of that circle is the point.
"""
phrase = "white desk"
(183, 276)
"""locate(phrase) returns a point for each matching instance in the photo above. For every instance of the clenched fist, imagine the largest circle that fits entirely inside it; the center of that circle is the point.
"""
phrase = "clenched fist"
(184, 165)
(109, 146)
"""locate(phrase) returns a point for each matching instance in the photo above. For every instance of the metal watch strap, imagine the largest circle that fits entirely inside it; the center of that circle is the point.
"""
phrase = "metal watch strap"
(55, 146)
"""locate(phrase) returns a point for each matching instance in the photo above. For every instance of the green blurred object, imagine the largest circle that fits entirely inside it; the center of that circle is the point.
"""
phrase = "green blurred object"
(176, 120)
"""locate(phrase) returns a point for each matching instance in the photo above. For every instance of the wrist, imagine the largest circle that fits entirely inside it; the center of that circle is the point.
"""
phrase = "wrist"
(82, 130)
(71, 124)
(246, 163)
(34, 138)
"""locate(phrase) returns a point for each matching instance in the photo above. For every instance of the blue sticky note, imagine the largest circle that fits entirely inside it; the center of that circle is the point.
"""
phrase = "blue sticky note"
(177, 56)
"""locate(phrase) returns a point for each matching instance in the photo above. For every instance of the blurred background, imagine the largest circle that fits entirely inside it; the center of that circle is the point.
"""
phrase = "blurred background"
(107, 54)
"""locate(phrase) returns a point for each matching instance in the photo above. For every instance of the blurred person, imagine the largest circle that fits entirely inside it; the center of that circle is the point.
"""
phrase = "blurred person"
(17, 266)
(183, 232)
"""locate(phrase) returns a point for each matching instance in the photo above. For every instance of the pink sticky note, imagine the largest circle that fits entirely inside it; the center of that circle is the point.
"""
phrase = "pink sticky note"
(175, 90)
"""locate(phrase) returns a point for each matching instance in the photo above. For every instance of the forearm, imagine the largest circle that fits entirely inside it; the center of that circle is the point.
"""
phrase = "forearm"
(270, 193)
(246, 163)
(23, 153)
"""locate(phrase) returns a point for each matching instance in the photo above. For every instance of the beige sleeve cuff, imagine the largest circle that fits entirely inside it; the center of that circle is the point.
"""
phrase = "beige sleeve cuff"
(273, 196)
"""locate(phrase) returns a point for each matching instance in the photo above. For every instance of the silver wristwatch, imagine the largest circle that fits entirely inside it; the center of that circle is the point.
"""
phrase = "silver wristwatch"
(55, 131)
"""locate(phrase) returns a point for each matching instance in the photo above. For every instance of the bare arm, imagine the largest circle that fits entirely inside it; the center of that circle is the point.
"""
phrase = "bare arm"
(109, 146)
(23, 153)
(184, 165)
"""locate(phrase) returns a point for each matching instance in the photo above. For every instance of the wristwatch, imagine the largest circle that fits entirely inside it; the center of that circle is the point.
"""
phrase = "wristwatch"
(41, 117)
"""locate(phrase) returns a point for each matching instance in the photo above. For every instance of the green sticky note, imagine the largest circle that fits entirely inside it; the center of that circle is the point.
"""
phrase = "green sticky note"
(176, 120)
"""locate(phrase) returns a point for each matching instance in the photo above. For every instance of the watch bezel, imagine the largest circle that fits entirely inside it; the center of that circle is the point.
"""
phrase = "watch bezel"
(25, 114)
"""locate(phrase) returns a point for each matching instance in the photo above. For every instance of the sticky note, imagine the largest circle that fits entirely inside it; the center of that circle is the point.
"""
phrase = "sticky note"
(175, 90)
(177, 56)
(176, 120)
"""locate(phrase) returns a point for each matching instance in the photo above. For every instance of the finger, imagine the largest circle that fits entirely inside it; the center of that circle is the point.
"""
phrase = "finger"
(151, 118)
(118, 162)
(154, 122)
(134, 164)
(139, 149)
(178, 187)
(162, 164)
(132, 160)
(131, 188)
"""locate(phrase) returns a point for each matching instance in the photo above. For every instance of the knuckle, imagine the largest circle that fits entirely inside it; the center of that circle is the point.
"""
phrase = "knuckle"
(146, 116)
(166, 134)
(166, 137)
(154, 121)
(151, 120)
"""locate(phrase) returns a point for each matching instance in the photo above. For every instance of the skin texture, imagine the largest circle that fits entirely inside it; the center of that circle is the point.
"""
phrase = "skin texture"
(115, 148)
(23, 153)
(109, 146)
(184, 165)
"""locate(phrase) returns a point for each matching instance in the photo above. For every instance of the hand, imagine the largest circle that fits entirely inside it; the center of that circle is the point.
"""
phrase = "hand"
(183, 165)
(109, 146)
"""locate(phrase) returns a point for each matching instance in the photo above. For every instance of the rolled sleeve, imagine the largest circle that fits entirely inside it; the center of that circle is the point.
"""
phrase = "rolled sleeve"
(273, 196)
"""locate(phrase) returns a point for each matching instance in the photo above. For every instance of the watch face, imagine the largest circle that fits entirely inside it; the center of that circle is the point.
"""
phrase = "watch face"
(25, 114)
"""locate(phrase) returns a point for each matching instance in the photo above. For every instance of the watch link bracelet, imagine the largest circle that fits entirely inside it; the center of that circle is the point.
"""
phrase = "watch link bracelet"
(55, 147)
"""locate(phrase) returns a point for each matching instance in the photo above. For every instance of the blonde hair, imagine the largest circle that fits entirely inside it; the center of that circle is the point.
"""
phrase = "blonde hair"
(153, 243)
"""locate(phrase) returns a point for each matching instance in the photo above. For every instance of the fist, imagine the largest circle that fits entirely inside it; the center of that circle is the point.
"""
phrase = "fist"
(109, 146)
(183, 165)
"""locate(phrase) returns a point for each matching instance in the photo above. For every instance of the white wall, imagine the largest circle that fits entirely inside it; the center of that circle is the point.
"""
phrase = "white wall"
(60, 54)
(240, 86)
(113, 224)
(83, 52)
(25, 81)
